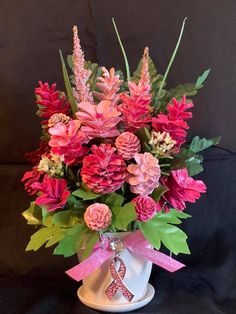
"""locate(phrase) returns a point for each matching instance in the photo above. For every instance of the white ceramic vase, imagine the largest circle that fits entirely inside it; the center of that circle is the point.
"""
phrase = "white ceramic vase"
(138, 271)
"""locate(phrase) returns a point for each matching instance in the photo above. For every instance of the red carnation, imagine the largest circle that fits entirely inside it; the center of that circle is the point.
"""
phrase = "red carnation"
(181, 189)
(50, 100)
(103, 171)
(30, 177)
(54, 194)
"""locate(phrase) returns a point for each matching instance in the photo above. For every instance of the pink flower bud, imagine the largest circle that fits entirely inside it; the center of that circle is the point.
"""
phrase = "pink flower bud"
(145, 207)
(97, 216)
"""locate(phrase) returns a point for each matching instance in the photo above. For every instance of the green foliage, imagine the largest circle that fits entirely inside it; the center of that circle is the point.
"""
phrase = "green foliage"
(68, 85)
(92, 238)
(67, 218)
(151, 69)
(113, 200)
(202, 78)
(161, 229)
(198, 144)
(158, 192)
(123, 216)
(33, 214)
(183, 89)
(86, 194)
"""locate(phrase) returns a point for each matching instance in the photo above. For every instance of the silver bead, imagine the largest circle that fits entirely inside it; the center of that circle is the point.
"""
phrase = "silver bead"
(116, 245)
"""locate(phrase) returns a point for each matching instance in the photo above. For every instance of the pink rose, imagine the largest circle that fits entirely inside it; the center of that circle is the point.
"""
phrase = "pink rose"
(145, 207)
(97, 216)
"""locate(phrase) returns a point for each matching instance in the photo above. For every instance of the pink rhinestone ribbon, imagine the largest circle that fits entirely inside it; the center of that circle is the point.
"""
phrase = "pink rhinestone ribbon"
(117, 283)
(134, 242)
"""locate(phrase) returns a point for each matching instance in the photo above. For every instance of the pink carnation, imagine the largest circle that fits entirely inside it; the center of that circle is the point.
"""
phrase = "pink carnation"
(54, 194)
(97, 216)
(67, 140)
(145, 207)
(182, 188)
(127, 145)
(30, 177)
(173, 122)
(98, 120)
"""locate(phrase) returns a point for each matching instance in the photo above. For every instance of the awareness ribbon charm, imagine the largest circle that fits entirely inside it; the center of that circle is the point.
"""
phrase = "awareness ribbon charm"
(117, 283)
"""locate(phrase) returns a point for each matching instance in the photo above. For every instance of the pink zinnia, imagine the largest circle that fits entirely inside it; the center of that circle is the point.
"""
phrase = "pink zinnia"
(97, 216)
(30, 177)
(98, 120)
(145, 207)
(54, 194)
(181, 189)
(173, 122)
(127, 145)
(103, 171)
(67, 140)
(50, 100)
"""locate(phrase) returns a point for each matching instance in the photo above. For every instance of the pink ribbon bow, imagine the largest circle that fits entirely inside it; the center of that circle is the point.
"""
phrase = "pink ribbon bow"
(135, 243)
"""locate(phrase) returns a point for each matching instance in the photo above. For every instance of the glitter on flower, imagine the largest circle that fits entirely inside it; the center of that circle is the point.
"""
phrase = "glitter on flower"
(182, 188)
(127, 145)
(58, 118)
(67, 140)
(173, 122)
(145, 207)
(30, 177)
(53, 193)
(97, 216)
(144, 175)
(161, 143)
(98, 120)
(109, 85)
(103, 171)
(81, 75)
(50, 100)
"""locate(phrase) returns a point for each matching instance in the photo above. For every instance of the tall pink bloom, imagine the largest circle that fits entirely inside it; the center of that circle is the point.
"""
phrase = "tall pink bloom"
(135, 106)
(103, 171)
(182, 188)
(67, 140)
(81, 91)
(50, 100)
(173, 122)
(98, 120)
(54, 194)
(109, 85)
(144, 175)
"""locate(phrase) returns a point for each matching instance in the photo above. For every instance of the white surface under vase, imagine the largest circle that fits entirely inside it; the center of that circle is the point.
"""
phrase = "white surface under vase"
(136, 279)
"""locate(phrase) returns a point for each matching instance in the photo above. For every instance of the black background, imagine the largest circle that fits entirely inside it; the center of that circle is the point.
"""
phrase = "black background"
(31, 32)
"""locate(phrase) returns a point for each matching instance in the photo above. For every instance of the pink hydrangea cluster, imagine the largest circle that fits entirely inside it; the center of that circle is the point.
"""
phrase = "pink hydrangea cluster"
(98, 216)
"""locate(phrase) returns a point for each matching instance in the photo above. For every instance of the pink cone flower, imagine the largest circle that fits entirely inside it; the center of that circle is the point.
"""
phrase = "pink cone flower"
(98, 120)
(103, 171)
(67, 140)
(173, 122)
(127, 145)
(145, 207)
(182, 188)
(30, 177)
(109, 85)
(97, 216)
(54, 194)
(144, 176)
(50, 100)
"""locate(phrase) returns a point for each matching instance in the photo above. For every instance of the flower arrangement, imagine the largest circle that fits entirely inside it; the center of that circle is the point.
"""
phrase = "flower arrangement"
(113, 157)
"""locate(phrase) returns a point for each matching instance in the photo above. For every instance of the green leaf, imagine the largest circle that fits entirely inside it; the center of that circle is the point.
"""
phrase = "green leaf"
(182, 89)
(86, 195)
(72, 240)
(193, 165)
(68, 85)
(179, 213)
(158, 192)
(66, 218)
(33, 214)
(113, 200)
(123, 216)
(198, 144)
(92, 239)
(160, 230)
(43, 235)
(202, 78)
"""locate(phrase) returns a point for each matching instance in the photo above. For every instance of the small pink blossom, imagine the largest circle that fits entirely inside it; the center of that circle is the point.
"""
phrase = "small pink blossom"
(54, 194)
(181, 189)
(145, 207)
(127, 145)
(97, 216)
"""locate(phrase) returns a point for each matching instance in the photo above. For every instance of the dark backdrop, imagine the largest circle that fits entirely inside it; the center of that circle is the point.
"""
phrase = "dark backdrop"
(31, 32)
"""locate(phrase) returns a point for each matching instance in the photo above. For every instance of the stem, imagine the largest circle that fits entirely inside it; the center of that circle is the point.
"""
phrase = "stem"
(172, 58)
(122, 49)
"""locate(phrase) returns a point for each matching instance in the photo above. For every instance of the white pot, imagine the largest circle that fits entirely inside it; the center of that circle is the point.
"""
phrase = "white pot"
(136, 279)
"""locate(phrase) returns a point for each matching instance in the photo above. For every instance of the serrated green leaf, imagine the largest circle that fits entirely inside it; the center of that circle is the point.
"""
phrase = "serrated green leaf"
(123, 216)
(158, 192)
(198, 144)
(68, 85)
(180, 214)
(86, 195)
(92, 239)
(202, 78)
(113, 200)
(71, 241)
(33, 214)
(66, 218)
(193, 165)
(183, 89)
